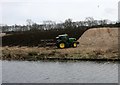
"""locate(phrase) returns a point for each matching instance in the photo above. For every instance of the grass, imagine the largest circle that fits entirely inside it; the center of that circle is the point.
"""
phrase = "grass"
(39, 53)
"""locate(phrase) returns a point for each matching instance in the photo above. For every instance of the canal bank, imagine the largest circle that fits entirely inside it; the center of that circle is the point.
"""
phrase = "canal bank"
(52, 53)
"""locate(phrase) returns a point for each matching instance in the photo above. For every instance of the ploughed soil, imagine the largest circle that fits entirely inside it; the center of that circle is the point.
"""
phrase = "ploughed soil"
(95, 43)
(33, 38)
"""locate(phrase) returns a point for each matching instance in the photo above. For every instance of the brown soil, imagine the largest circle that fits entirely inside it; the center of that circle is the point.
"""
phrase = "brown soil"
(96, 43)
(104, 39)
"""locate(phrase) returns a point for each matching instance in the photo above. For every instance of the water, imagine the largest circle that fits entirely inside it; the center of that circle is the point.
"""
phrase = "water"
(59, 72)
(0, 72)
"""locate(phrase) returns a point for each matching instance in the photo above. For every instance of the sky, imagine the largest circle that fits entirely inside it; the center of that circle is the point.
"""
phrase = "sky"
(18, 11)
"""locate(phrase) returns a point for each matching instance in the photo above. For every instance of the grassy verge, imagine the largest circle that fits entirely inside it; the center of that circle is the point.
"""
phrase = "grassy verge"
(52, 53)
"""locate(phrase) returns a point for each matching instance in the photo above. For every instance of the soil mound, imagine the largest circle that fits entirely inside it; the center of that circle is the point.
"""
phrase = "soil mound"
(100, 38)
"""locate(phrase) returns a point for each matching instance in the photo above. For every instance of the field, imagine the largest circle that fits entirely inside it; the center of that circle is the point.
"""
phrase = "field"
(95, 43)
(33, 38)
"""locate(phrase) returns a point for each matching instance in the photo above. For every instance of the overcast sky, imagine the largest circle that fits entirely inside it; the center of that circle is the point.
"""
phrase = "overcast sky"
(18, 11)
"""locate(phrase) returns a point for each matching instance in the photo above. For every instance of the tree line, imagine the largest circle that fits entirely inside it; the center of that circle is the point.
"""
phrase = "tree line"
(51, 25)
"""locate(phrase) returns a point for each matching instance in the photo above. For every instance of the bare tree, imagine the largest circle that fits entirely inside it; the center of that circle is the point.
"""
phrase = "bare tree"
(89, 21)
(68, 23)
(49, 24)
(103, 22)
(29, 23)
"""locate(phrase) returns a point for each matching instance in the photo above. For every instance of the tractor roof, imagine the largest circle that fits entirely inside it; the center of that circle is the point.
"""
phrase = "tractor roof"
(63, 35)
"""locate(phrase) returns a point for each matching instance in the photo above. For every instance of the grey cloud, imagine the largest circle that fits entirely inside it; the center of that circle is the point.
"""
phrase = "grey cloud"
(110, 11)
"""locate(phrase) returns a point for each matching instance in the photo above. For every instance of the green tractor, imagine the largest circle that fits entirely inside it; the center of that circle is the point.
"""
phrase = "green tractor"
(63, 41)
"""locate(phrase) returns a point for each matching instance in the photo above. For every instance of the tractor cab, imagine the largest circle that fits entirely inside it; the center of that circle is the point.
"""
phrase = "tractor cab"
(63, 41)
(63, 37)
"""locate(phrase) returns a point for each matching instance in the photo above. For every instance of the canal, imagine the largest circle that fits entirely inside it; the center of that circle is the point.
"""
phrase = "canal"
(59, 72)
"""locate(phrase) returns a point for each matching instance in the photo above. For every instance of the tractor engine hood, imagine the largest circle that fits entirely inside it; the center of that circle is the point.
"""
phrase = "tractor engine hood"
(72, 39)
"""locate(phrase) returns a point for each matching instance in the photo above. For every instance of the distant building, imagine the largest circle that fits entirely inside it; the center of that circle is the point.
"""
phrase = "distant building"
(119, 11)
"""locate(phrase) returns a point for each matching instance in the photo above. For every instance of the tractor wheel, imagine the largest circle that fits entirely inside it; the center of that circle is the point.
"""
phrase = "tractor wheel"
(62, 45)
(74, 44)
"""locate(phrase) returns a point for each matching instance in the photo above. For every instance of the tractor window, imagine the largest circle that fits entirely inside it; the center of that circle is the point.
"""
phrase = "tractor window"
(64, 37)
